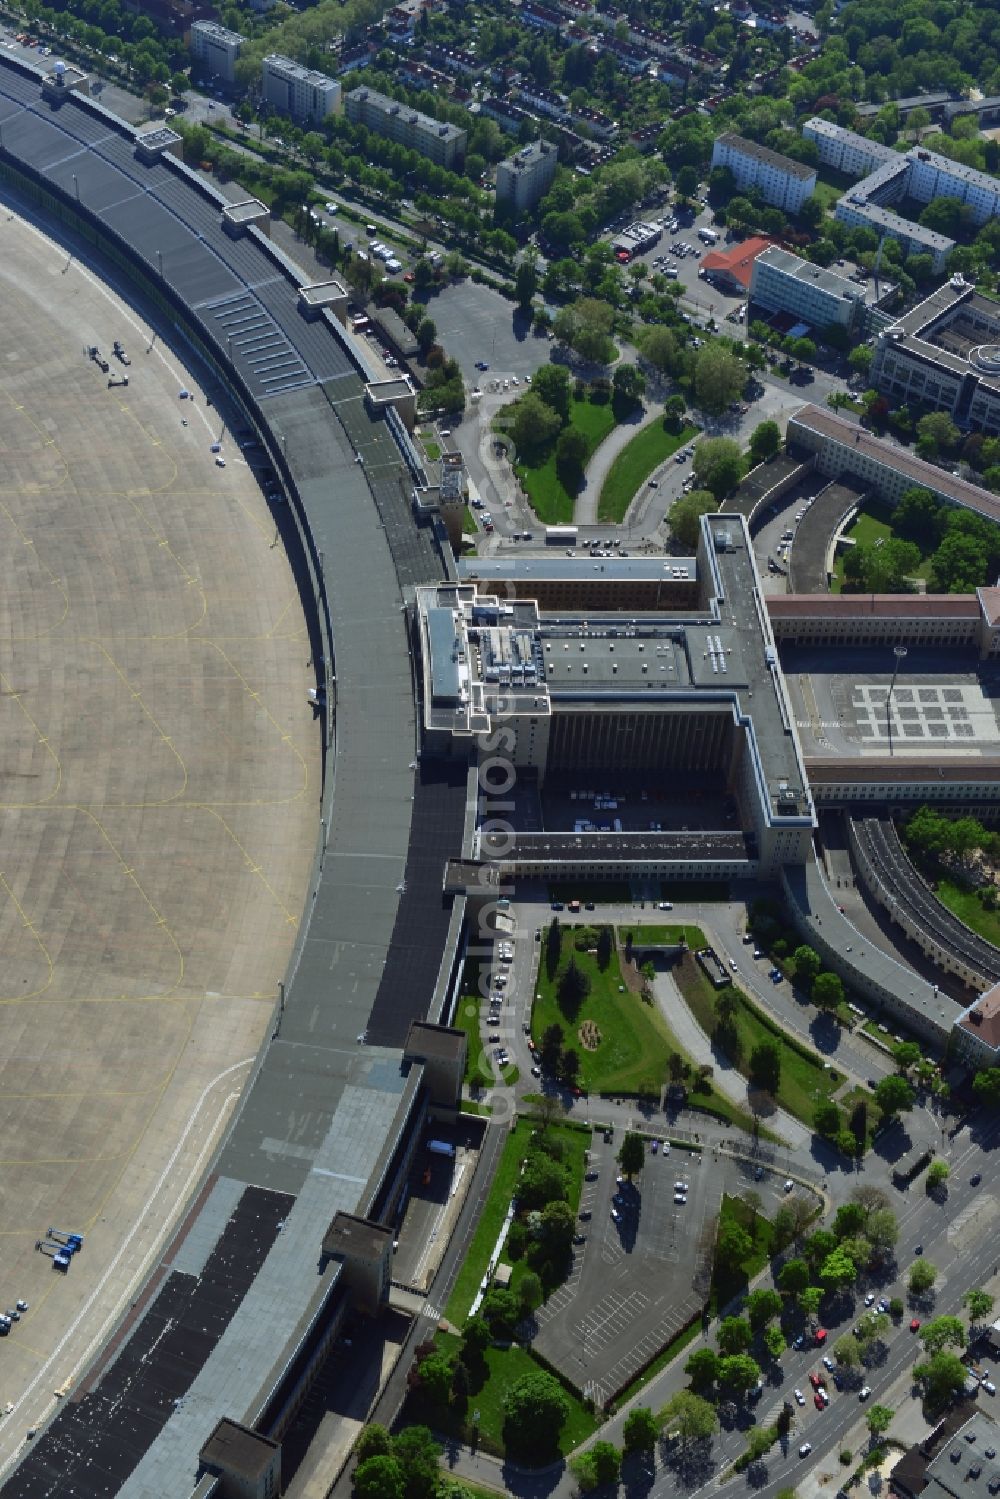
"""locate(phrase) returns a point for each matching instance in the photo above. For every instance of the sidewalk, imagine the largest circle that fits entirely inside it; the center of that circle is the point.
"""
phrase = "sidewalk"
(585, 505)
(726, 1078)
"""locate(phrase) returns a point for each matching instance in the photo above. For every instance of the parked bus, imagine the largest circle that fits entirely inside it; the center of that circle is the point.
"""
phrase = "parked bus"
(561, 536)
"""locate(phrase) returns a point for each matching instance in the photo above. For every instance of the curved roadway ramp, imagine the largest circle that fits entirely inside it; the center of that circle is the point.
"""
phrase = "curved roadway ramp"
(324, 1112)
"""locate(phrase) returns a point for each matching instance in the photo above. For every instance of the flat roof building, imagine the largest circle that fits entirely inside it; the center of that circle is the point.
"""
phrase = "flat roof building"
(783, 282)
(436, 139)
(215, 50)
(842, 447)
(943, 353)
(782, 182)
(297, 91)
(526, 176)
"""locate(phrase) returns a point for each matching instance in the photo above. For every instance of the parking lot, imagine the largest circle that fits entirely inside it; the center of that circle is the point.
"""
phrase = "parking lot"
(639, 1276)
(475, 323)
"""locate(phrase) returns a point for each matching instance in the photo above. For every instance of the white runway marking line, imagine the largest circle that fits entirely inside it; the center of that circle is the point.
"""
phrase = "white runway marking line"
(152, 1252)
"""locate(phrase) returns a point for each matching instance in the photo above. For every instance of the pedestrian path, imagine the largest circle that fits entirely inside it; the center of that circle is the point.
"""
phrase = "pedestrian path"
(585, 505)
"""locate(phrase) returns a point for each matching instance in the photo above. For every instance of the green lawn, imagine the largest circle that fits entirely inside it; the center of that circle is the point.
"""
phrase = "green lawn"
(504, 1366)
(968, 907)
(663, 934)
(548, 497)
(469, 527)
(636, 1040)
(636, 461)
(432, 449)
(489, 1225)
(804, 1080)
(873, 523)
(727, 1282)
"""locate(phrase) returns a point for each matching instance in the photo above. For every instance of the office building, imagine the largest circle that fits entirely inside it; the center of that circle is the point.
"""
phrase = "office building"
(732, 269)
(782, 182)
(299, 92)
(782, 282)
(943, 354)
(435, 139)
(843, 449)
(215, 50)
(845, 150)
(526, 176)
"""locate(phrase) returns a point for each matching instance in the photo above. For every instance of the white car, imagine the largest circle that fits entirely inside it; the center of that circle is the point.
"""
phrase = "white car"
(800, 1399)
(988, 1386)
(864, 1392)
(828, 1362)
(805, 1449)
(870, 1299)
(680, 1186)
(680, 1198)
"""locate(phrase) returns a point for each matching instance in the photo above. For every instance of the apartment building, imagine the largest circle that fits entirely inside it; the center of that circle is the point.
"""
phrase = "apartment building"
(215, 50)
(782, 182)
(845, 150)
(783, 282)
(526, 177)
(436, 139)
(297, 91)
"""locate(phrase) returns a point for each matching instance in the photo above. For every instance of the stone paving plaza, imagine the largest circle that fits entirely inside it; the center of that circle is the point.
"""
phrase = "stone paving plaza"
(159, 787)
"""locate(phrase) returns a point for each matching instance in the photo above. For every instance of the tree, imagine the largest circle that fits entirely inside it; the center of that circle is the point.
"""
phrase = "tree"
(525, 283)
(739, 1372)
(935, 431)
(774, 1341)
(719, 377)
(810, 1300)
(918, 517)
(765, 1066)
(627, 384)
(922, 1276)
(380, 1478)
(702, 1368)
(879, 1418)
(572, 450)
(978, 1304)
(693, 1418)
(557, 1225)
(735, 1335)
(536, 1408)
(838, 1269)
(893, 1095)
(374, 1441)
(793, 1277)
(573, 987)
(659, 346)
(733, 1246)
(529, 1288)
(849, 1219)
(685, 516)
(860, 359)
(674, 412)
(882, 1230)
(418, 1454)
(542, 1180)
(942, 1376)
(906, 1054)
(870, 1327)
(765, 441)
(599, 1465)
(434, 1376)
(534, 427)
(761, 1306)
(632, 1154)
(937, 1175)
(686, 181)
(807, 964)
(425, 334)
(641, 1430)
(605, 947)
(551, 384)
(847, 1351)
(986, 1086)
(476, 1338)
(827, 991)
(718, 465)
(942, 1332)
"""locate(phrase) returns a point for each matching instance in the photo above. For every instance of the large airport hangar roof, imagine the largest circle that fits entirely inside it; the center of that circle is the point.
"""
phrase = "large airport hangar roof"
(323, 1107)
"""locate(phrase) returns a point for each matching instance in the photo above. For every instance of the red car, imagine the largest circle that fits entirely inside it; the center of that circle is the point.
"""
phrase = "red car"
(915, 1325)
(818, 1402)
(816, 1381)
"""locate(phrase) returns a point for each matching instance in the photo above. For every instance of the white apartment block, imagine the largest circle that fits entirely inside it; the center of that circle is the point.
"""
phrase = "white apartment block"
(933, 176)
(526, 177)
(782, 282)
(215, 50)
(299, 92)
(845, 150)
(784, 183)
(435, 139)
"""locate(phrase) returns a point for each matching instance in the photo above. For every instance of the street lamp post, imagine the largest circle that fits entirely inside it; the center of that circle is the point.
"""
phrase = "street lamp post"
(899, 652)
